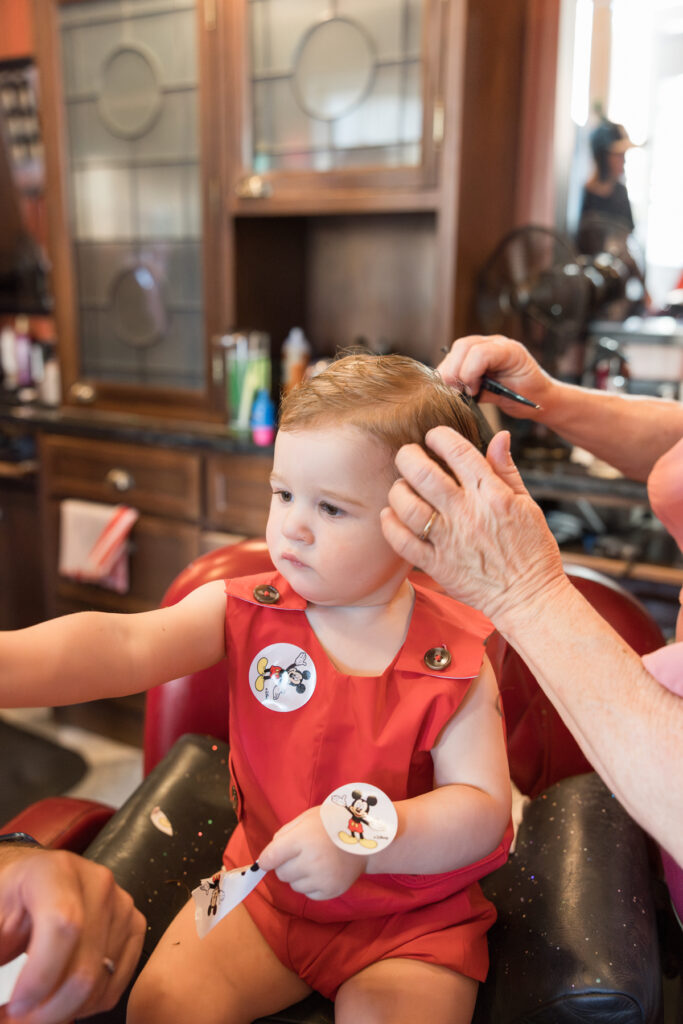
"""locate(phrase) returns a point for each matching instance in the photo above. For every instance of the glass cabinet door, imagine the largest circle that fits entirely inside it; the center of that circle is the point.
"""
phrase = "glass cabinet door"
(338, 92)
(133, 185)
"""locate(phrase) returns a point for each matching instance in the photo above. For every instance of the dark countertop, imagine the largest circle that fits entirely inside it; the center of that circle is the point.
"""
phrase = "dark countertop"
(559, 479)
(130, 427)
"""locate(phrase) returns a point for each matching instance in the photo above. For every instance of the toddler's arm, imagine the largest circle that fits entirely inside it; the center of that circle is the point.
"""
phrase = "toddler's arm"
(97, 654)
(465, 816)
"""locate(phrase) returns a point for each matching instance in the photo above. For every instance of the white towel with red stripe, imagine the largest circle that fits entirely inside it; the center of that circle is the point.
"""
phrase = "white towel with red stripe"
(93, 543)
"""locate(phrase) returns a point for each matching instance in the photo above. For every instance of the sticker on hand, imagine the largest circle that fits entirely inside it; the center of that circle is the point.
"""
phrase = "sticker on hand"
(359, 818)
(216, 896)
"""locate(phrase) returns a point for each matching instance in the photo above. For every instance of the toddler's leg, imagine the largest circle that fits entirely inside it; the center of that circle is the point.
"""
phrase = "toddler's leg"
(231, 976)
(402, 991)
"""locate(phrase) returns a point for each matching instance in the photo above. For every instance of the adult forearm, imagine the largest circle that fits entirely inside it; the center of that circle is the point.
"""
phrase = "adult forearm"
(443, 830)
(628, 725)
(629, 432)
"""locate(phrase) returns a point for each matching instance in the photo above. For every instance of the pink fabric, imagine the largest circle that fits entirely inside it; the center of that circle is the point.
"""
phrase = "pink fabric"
(666, 665)
(665, 490)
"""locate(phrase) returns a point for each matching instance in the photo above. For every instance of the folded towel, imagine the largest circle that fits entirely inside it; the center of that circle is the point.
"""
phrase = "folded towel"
(93, 544)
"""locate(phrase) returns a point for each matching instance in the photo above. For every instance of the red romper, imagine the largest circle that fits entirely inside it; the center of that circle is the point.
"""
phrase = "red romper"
(300, 729)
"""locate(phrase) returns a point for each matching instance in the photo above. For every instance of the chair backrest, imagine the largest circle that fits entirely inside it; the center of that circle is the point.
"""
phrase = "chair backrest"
(540, 747)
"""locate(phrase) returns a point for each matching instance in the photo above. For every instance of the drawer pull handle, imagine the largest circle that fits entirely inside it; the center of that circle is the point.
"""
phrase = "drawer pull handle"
(82, 392)
(120, 479)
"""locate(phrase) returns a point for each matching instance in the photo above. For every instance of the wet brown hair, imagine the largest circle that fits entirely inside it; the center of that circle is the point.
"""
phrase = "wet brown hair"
(392, 398)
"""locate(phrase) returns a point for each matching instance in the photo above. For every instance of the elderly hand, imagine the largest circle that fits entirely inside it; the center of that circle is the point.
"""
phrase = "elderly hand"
(489, 545)
(302, 854)
(508, 361)
(82, 934)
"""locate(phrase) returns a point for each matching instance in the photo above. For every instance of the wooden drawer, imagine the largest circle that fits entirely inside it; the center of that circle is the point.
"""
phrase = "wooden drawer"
(153, 480)
(238, 493)
(159, 550)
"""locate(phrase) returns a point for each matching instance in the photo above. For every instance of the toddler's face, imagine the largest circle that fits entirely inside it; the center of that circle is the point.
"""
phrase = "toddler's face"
(324, 536)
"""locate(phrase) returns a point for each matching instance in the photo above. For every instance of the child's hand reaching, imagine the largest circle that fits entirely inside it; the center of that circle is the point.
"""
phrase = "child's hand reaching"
(302, 854)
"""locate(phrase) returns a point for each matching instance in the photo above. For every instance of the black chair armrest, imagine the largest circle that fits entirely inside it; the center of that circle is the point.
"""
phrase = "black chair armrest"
(576, 935)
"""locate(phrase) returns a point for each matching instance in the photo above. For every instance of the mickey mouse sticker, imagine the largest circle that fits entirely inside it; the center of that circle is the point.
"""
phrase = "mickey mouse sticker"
(359, 818)
(282, 677)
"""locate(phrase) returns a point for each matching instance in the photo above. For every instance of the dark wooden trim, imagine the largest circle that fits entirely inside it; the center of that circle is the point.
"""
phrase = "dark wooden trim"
(59, 233)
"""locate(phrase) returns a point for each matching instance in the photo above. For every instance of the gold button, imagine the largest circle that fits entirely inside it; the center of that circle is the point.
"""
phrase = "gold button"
(265, 594)
(437, 658)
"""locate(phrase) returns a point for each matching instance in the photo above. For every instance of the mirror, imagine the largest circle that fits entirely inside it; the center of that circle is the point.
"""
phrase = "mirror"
(333, 69)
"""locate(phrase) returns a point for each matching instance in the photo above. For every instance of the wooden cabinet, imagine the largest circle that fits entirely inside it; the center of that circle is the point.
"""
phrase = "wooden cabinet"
(21, 555)
(326, 101)
(238, 493)
(237, 186)
(154, 480)
(164, 486)
(187, 500)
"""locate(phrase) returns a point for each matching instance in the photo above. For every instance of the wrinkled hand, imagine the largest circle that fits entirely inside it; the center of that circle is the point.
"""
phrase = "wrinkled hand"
(508, 361)
(302, 854)
(490, 546)
(67, 914)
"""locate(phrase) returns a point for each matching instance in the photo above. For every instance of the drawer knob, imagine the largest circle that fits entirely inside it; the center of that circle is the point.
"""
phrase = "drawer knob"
(82, 392)
(120, 479)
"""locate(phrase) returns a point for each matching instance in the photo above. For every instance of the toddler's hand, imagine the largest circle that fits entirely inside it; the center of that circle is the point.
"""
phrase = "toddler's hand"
(302, 854)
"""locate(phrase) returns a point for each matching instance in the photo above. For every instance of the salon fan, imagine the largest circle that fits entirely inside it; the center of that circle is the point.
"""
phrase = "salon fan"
(537, 288)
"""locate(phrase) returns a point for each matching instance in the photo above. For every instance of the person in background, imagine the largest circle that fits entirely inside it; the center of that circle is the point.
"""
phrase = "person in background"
(605, 205)
(82, 933)
(490, 547)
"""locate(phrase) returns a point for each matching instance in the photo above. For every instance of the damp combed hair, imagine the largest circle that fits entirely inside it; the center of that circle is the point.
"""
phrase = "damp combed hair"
(393, 398)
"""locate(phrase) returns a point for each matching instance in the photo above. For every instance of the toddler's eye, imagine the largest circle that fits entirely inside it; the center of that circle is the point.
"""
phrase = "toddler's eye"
(331, 510)
(284, 496)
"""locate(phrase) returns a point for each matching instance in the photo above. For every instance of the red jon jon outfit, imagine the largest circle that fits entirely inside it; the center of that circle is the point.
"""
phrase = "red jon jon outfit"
(300, 729)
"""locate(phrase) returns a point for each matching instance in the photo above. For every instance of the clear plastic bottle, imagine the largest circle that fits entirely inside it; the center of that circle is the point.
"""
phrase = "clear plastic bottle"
(296, 353)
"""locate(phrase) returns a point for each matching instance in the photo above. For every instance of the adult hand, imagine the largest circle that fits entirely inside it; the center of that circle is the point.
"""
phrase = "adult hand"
(82, 934)
(489, 545)
(302, 854)
(506, 360)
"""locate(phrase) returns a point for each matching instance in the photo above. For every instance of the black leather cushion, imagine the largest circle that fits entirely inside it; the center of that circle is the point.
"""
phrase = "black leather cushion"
(573, 901)
(576, 936)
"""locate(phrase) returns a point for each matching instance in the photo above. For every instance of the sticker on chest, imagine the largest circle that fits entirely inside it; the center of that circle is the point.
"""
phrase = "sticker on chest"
(282, 677)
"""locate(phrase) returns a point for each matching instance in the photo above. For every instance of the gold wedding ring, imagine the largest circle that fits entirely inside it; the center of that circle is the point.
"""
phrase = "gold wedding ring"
(428, 526)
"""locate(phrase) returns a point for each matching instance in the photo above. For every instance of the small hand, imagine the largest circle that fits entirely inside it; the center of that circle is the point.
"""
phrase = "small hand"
(507, 361)
(302, 854)
(490, 545)
(68, 915)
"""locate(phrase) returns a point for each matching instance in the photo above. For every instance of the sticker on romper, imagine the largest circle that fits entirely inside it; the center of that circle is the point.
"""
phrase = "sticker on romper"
(359, 818)
(282, 677)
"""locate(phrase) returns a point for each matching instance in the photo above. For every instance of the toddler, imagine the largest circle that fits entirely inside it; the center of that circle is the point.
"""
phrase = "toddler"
(342, 672)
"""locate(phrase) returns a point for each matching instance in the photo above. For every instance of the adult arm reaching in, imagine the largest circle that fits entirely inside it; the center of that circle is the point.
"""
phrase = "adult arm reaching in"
(490, 547)
(629, 432)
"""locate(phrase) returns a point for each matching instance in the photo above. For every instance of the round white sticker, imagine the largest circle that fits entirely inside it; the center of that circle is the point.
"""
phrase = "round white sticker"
(359, 818)
(282, 677)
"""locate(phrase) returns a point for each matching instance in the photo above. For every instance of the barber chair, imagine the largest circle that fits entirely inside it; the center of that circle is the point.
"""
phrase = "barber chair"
(576, 937)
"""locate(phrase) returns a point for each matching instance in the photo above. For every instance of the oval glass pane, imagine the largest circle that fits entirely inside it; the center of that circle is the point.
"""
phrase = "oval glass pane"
(131, 96)
(334, 68)
(138, 308)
